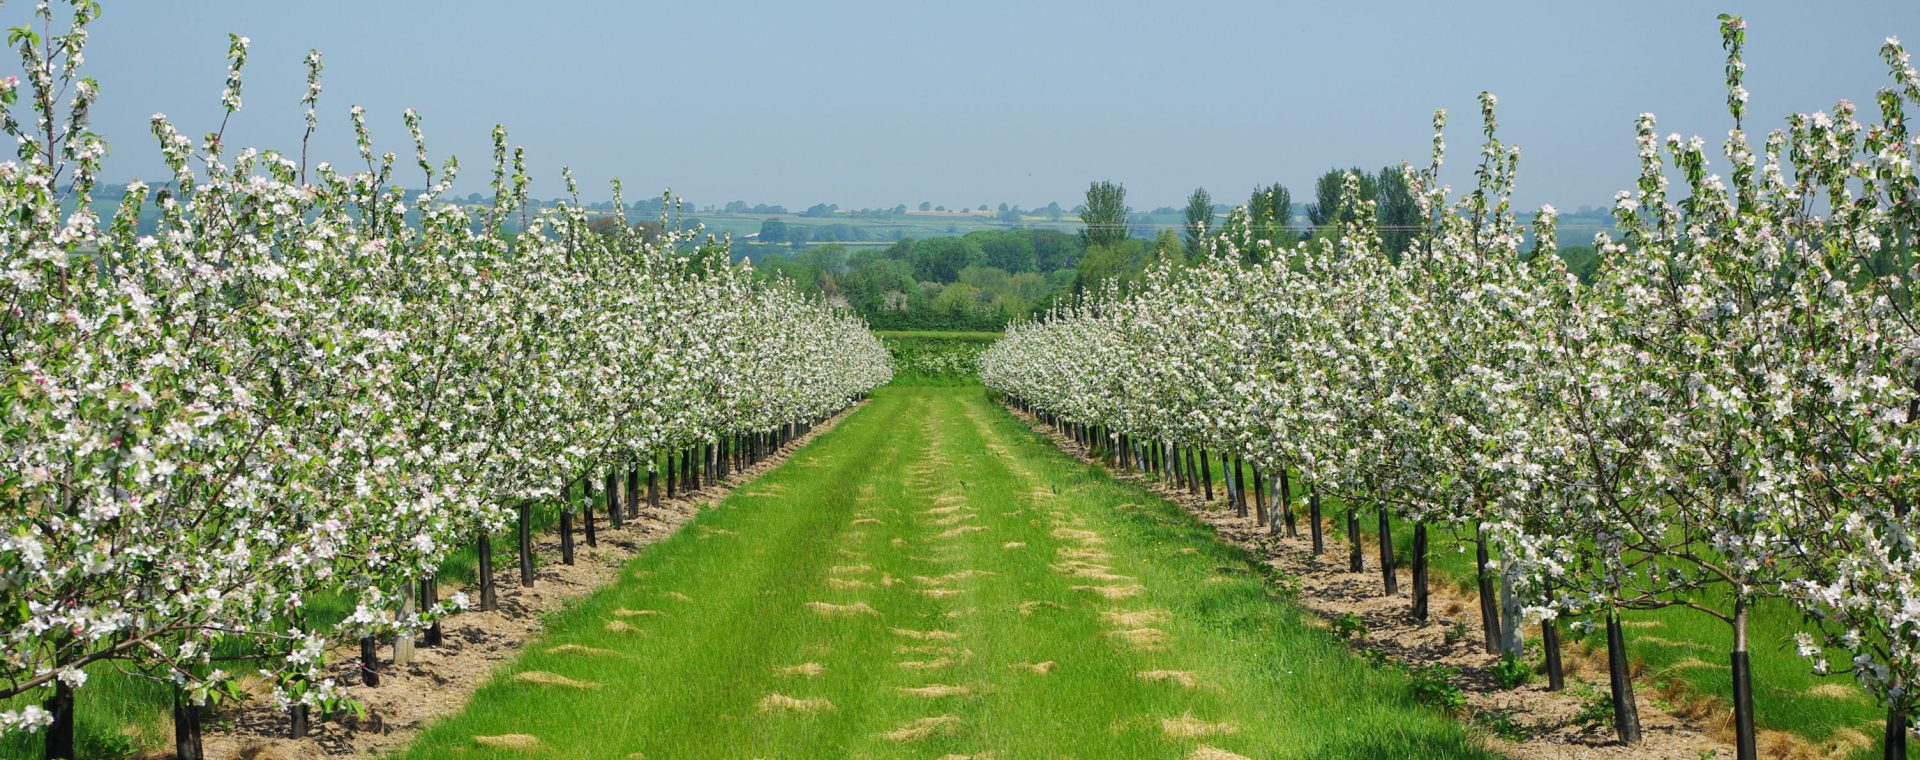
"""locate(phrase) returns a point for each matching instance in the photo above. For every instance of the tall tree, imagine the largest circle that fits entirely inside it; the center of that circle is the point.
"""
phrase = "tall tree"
(1394, 206)
(1199, 221)
(1270, 211)
(1105, 215)
(1328, 206)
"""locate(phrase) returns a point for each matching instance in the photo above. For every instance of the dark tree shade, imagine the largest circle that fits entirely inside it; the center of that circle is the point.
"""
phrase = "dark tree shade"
(1199, 221)
(1396, 210)
(1106, 214)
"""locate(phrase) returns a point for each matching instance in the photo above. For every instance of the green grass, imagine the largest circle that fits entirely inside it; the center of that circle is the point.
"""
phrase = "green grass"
(928, 357)
(733, 589)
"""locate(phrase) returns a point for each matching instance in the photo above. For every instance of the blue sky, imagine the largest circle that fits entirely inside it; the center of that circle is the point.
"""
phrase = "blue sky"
(962, 103)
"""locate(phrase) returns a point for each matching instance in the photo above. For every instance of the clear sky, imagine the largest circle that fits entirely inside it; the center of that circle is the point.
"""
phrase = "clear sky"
(962, 103)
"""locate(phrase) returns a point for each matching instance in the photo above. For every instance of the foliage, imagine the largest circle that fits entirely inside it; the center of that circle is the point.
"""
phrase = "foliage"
(1105, 215)
(311, 382)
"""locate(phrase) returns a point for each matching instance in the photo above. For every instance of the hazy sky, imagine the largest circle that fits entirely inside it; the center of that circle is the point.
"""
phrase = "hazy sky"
(962, 103)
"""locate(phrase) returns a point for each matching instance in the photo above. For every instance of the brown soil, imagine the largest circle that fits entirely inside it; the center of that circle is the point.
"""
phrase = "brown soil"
(440, 679)
(1326, 588)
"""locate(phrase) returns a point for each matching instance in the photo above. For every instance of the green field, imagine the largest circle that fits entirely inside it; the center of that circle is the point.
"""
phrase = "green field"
(932, 578)
(924, 357)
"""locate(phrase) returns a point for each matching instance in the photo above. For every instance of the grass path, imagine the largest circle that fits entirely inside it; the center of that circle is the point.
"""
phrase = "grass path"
(930, 579)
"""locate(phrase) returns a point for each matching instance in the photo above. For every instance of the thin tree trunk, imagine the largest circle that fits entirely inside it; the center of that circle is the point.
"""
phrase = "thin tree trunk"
(186, 727)
(1420, 571)
(1354, 564)
(1260, 503)
(403, 641)
(1317, 524)
(489, 600)
(1388, 579)
(586, 510)
(566, 536)
(1206, 474)
(611, 486)
(1550, 642)
(1489, 612)
(1626, 714)
(59, 742)
(1284, 501)
(430, 596)
(1510, 643)
(526, 543)
(1745, 747)
(1896, 737)
(369, 662)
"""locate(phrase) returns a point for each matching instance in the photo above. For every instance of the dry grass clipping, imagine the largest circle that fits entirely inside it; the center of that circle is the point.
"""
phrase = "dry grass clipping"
(579, 649)
(1087, 537)
(842, 610)
(1188, 726)
(677, 596)
(1144, 639)
(1181, 677)
(784, 703)
(1836, 691)
(543, 678)
(624, 612)
(935, 690)
(940, 593)
(960, 531)
(1133, 618)
(1204, 752)
(807, 669)
(1041, 668)
(509, 741)
(922, 728)
(927, 635)
(1115, 592)
(620, 626)
(867, 521)
(1014, 545)
(1027, 608)
(848, 583)
(850, 569)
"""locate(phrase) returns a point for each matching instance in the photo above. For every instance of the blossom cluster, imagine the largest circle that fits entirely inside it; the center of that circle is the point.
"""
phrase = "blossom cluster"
(290, 381)
(1725, 412)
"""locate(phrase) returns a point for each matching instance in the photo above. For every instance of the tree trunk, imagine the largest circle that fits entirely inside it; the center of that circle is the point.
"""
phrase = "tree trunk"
(653, 487)
(403, 641)
(611, 486)
(1285, 502)
(1510, 643)
(1260, 503)
(1206, 474)
(1239, 487)
(1314, 519)
(1896, 737)
(489, 600)
(186, 728)
(586, 510)
(526, 544)
(1420, 571)
(566, 535)
(430, 596)
(298, 725)
(1550, 642)
(1489, 612)
(369, 661)
(1626, 714)
(633, 491)
(1745, 747)
(1388, 579)
(60, 732)
(1354, 564)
